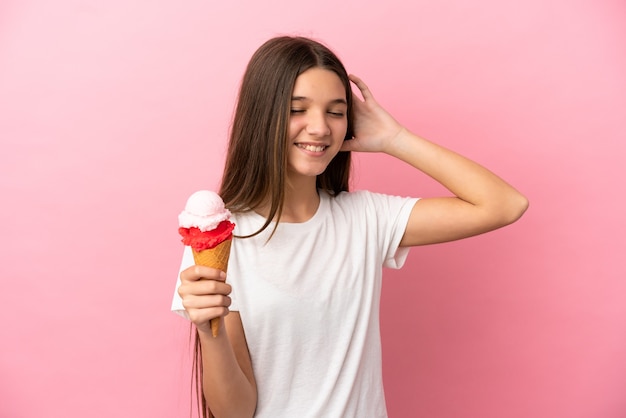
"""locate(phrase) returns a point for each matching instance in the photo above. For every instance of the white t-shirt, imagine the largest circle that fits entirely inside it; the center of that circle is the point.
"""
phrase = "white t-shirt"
(309, 303)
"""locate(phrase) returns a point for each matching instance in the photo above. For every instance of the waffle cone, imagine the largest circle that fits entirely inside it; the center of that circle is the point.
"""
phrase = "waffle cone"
(216, 258)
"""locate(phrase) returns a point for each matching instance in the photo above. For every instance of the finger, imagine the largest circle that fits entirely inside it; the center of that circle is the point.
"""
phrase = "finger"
(348, 145)
(211, 287)
(206, 302)
(203, 288)
(201, 317)
(197, 272)
(365, 91)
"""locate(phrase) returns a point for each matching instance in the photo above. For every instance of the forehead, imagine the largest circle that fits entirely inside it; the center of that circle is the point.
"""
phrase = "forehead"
(320, 84)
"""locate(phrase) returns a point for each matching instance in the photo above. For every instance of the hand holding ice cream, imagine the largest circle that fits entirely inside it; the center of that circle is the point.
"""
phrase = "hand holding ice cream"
(205, 226)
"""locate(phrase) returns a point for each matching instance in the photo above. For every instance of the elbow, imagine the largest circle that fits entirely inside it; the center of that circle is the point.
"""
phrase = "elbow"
(515, 206)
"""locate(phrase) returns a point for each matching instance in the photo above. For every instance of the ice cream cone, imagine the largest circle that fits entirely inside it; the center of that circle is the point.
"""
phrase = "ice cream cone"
(216, 258)
(205, 226)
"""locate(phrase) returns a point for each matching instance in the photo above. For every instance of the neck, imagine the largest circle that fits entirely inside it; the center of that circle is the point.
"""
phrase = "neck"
(301, 201)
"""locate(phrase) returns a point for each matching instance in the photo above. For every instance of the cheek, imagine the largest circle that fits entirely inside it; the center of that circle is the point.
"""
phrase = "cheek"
(340, 129)
(294, 128)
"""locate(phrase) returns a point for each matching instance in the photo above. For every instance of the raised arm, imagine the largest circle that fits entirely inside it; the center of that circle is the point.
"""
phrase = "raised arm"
(481, 201)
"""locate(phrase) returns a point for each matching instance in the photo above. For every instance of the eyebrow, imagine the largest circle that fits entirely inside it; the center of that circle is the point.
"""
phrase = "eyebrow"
(302, 98)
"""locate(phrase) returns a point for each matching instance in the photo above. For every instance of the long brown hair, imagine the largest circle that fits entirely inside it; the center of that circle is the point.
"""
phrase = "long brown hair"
(256, 161)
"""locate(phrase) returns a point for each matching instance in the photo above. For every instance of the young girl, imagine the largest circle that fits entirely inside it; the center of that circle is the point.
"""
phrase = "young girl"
(300, 305)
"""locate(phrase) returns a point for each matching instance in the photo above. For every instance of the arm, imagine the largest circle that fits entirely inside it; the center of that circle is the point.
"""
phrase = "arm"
(482, 201)
(227, 378)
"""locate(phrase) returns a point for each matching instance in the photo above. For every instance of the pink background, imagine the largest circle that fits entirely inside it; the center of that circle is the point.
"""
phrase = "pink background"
(112, 113)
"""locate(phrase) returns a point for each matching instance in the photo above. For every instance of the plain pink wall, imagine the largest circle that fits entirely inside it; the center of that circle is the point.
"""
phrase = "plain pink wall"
(112, 113)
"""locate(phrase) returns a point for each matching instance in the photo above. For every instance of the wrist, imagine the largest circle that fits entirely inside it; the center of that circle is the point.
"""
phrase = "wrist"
(206, 332)
(398, 143)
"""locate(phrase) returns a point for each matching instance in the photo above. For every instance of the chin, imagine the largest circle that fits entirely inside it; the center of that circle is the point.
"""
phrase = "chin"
(306, 171)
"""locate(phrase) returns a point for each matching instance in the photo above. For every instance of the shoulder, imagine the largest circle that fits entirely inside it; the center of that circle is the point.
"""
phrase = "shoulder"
(364, 207)
(368, 199)
(354, 198)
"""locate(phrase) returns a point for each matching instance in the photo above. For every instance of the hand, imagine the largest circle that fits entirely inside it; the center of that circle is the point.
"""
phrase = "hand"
(204, 295)
(374, 128)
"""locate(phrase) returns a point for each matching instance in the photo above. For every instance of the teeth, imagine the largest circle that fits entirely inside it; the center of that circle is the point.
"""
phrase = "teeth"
(312, 148)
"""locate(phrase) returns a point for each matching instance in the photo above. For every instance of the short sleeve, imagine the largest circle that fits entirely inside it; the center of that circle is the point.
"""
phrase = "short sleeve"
(388, 215)
(396, 255)
(177, 302)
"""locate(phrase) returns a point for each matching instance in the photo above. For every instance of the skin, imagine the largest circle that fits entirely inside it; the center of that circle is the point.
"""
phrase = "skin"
(318, 118)
(481, 202)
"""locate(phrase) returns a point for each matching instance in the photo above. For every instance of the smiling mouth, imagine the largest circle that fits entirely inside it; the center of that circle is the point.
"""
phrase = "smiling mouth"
(312, 148)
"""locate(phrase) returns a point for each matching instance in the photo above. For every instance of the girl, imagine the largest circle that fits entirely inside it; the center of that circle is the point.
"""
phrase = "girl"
(300, 335)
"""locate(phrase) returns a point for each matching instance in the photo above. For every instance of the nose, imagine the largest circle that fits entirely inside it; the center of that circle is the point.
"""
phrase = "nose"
(317, 125)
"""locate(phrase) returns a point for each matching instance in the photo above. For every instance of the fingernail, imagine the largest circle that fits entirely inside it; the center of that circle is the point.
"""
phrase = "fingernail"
(222, 275)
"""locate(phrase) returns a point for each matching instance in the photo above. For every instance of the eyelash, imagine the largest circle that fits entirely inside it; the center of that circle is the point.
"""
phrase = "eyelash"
(337, 114)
